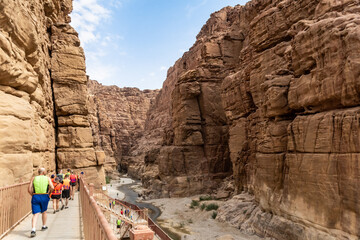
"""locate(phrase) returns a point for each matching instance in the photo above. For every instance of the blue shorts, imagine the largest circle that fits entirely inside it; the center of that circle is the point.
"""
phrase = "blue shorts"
(39, 203)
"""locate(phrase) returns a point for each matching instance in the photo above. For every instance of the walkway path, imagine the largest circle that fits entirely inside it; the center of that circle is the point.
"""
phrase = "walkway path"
(63, 225)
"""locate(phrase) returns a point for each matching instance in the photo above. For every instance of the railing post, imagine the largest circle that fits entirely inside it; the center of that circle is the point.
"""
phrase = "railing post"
(91, 189)
(146, 214)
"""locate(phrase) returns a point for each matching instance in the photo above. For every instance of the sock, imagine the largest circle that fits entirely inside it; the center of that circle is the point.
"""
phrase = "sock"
(44, 226)
(34, 229)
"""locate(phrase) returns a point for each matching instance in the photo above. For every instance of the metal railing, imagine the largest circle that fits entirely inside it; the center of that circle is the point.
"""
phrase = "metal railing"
(137, 213)
(96, 227)
(14, 206)
(158, 231)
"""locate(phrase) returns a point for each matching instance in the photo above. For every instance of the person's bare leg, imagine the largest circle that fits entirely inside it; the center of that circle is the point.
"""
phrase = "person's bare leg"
(54, 204)
(72, 192)
(44, 218)
(34, 220)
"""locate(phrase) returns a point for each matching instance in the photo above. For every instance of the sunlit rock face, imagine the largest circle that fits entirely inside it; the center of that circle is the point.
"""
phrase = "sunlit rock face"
(43, 94)
(269, 94)
(117, 120)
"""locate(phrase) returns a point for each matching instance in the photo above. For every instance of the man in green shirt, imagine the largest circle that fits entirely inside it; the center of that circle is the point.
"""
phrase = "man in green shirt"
(39, 188)
(118, 224)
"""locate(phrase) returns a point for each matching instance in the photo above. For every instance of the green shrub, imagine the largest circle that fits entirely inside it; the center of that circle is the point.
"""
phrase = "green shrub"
(205, 198)
(194, 203)
(203, 206)
(213, 215)
(212, 206)
(108, 179)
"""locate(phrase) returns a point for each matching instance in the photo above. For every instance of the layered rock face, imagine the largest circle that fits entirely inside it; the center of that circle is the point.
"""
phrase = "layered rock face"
(273, 88)
(117, 120)
(188, 125)
(43, 109)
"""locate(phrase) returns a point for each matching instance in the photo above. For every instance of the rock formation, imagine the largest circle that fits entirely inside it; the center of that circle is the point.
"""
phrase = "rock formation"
(269, 94)
(117, 120)
(43, 103)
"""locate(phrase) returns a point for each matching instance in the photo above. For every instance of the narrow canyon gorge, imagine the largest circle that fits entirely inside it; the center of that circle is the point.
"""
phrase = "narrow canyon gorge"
(262, 111)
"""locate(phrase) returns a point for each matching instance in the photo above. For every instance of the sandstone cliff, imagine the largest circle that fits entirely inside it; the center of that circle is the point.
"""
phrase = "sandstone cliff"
(43, 93)
(269, 94)
(117, 120)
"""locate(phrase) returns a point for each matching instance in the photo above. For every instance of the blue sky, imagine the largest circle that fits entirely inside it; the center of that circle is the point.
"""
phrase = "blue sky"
(132, 43)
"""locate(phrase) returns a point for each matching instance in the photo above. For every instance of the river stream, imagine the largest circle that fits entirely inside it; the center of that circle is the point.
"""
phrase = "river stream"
(132, 196)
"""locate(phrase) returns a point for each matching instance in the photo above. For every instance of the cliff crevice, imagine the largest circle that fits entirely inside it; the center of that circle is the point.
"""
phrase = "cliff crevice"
(43, 93)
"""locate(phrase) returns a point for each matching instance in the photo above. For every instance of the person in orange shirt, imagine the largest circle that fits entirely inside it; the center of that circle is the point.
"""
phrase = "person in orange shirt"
(66, 191)
(56, 194)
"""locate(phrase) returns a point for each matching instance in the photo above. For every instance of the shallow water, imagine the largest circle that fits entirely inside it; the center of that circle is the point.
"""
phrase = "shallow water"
(131, 196)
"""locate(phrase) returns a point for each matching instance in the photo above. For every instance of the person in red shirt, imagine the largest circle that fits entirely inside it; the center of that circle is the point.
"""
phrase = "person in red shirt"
(73, 180)
(56, 194)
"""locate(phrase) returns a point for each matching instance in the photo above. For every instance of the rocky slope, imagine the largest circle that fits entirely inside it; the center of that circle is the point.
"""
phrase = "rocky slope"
(43, 102)
(117, 120)
(268, 94)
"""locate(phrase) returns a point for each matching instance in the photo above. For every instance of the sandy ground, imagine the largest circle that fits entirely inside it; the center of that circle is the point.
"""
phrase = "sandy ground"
(187, 223)
(194, 224)
(112, 187)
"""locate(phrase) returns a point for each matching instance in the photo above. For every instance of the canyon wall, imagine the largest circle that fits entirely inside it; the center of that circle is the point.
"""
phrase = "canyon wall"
(117, 120)
(185, 145)
(269, 94)
(43, 103)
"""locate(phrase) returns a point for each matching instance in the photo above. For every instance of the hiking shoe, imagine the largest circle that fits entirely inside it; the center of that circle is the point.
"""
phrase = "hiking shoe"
(54, 211)
(57, 210)
(32, 234)
(66, 207)
(62, 207)
(44, 228)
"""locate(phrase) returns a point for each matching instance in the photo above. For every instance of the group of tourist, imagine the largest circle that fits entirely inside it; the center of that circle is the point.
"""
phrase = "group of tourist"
(119, 223)
(59, 187)
(127, 213)
(64, 188)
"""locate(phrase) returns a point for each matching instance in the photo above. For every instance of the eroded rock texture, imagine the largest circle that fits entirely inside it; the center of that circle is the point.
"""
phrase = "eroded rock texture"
(117, 120)
(269, 93)
(189, 152)
(43, 112)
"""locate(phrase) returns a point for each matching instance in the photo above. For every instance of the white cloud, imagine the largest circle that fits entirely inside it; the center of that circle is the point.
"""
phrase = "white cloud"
(86, 17)
(152, 74)
(118, 37)
(116, 3)
(95, 55)
(163, 68)
(103, 73)
(191, 9)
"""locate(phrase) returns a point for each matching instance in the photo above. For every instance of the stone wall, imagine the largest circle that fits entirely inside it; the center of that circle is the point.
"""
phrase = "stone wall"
(272, 88)
(43, 103)
(292, 143)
